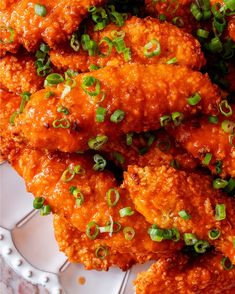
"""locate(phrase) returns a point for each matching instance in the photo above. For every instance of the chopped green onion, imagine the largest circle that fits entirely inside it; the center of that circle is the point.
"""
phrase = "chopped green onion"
(129, 139)
(25, 97)
(165, 120)
(109, 43)
(62, 123)
(74, 42)
(219, 24)
(49, 94)
(53, 79)
(225, 108)
(62, 109)
(126, 211)
(207, 159)
(40, 10)
(88, 82)
(12, 118)
(92, 230)
(127, 54)
(218, 167)
(190, 239)
(228, 126)
(119, 157)
(226, 263)
(100, 114)
(216, 10)
(119, 44)
(70, 173)
(117, 116)
(184, 214)
(152, 48)
(202, 33)
(117, 18)
(101, 252)
(214, 234)
(118, 34)
(201, 246)
(98, 142)
(177, 118)
(175, 235)
(162, 17)
(114, 228)
(213, 119)
(93, 67)
(175, 164)
(164, 145)
(7, 30)
(215, 45)
(230, 4)
(172, 60)
(178, 21)
(89, 45)
(155, 233)
(100, 163)
(38, 202)
(45, 210)
(112, 193)
(231, 186)
(194, 100)
(219, 183)
(196, 12)
(220, 212)
(129, 233)
(78, 195)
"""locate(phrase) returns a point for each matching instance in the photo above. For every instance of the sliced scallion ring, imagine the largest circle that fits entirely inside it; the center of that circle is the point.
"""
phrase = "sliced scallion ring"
(152, 48)
(92, 230)
(97, 142)
(214, 234)
(129, 233)
(225, 108)
(126, 211)
(220, 212)
(226, 263)
(201, 246)
(101, 252)
(113, 197)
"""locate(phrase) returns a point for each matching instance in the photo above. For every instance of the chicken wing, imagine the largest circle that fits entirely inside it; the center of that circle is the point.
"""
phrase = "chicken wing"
(29, 22)
(173, 42)
(204, 137)
(18, 74)
(146, 94)
(178, 275)
(187, 201)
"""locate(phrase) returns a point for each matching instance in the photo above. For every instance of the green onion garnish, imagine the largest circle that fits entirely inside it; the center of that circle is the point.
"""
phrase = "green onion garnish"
(129, 139)
(219, 183)
(165, 120)
(175, 164)
(129, 233)
(25, 97)
(207, 159)
(109, 43)
(226, 263)
(196, 12)
(231, 186)
(152, 48)
(101, 252)
(172, 60)
(184, 214)
(74, 42)
(98, 142)
(112, 193)
(100, 163)
(218, 167)
(215, 45)
(177, 118)
(202, 33)
(89, 45)
(100, 114)
(70, 173)
(228, 126)
(214, 234)
(53, 79)
(231, 140)
(62, 123)
(190, 239)
(62, 109)
(178, 21)
(220, 212)
(117, 116)
(92, 230)
(119, 157)
(89, 82)
(194, 100)
(77, 195)
(230, 4)
(9, 30)
(38, 202)
(201, 246)
(213, 119)
(225, 108)
(40, 10)
(45, 210)
(93, 67)
(155, 233)
(49, 94)
(126, 211)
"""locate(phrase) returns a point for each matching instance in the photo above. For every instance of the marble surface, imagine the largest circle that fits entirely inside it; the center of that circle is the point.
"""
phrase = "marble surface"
(11, 283)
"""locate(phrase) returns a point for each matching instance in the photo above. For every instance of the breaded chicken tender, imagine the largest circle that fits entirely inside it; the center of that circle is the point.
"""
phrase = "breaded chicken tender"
(94, 254)
(27, 22)
(18, 74)
(202, 137)
(131, 98)
(173, 42)
(187, 201)
(178, 275)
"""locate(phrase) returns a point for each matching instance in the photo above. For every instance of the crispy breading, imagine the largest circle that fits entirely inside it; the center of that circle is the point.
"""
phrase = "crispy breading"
(201, 137)
(78, 248)
(138, 32)
(160, 193)
(18, 74)
(143, 93)
(178, 275)
(61, 20)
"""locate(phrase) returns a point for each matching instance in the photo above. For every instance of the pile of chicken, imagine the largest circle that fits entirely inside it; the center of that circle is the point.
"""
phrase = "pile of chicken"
(115, 130)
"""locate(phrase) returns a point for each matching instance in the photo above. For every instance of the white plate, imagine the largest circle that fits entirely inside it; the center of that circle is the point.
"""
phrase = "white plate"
(28, 245)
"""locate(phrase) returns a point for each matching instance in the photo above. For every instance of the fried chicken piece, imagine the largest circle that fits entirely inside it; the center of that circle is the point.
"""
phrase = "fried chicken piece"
(78, 248)
(135, 98)
(202, 137)
(178, 275)
(160, 193)
(231, 28)
(61, 19)
(18, 74)
(138, 32)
